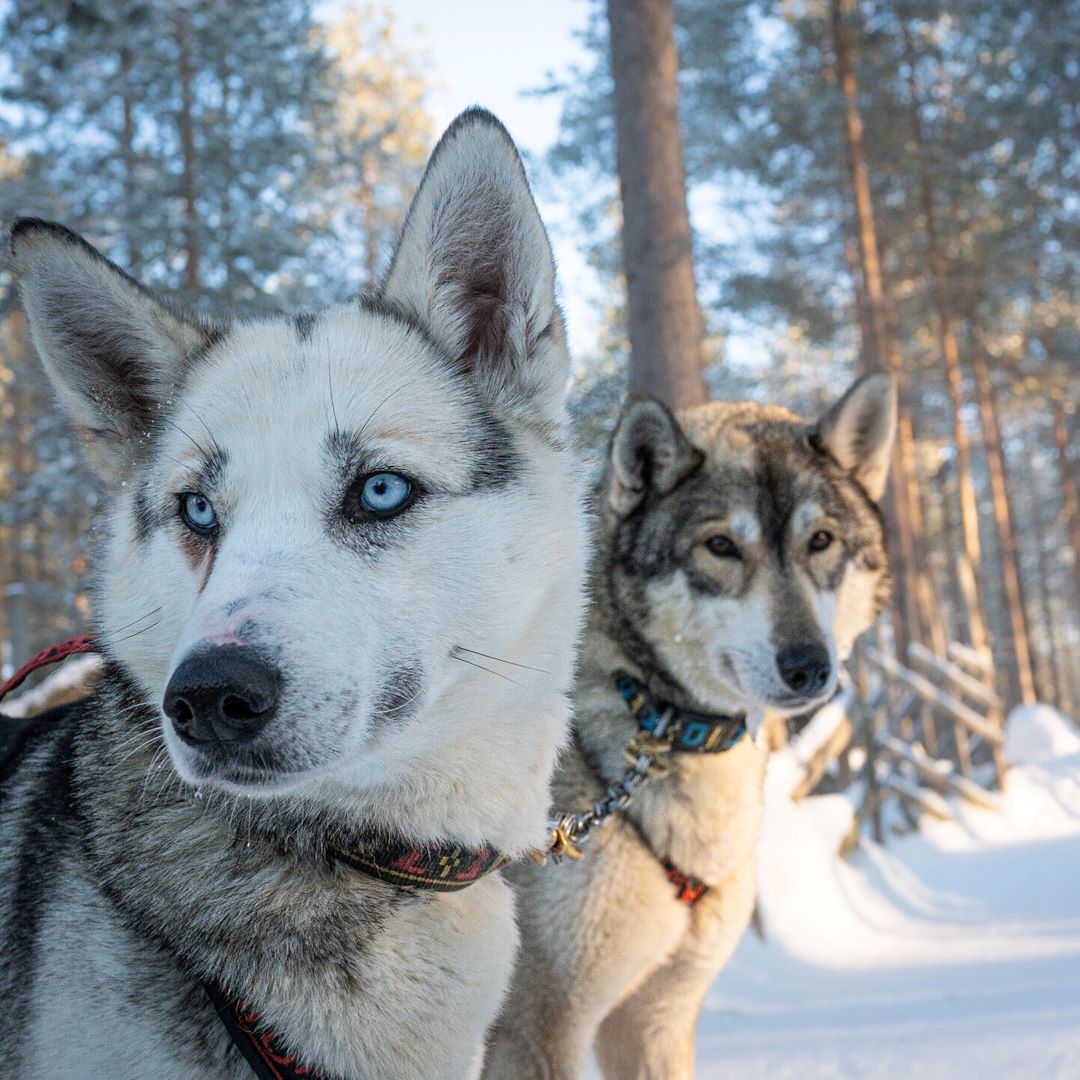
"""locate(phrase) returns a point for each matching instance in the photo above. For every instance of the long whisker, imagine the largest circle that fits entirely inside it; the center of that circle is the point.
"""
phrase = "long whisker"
(135, 634)
(490, 671)
(405, 704)
(128, 626)
(213, 441)
(194, 442)
(154, 765)
(499, 659)
(138, 746)
(392, 394)
(330, 384)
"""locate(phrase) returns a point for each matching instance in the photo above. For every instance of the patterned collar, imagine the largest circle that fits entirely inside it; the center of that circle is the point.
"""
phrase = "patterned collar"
(689, 732)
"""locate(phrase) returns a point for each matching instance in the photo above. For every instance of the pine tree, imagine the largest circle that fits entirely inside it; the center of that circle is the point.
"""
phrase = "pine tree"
(191, 145)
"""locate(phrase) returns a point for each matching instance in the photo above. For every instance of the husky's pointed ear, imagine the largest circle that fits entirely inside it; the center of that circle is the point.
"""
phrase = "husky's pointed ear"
(859, 430)
(648, 452)
(114, 354)
(474, 265)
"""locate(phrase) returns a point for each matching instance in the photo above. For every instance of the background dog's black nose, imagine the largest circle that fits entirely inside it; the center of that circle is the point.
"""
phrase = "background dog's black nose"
(805, 668)
(222, 693)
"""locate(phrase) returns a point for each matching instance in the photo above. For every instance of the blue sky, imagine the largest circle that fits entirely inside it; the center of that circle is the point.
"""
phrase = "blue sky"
(483, 52)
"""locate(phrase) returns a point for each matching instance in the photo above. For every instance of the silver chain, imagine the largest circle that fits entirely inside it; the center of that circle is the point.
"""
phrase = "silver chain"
(569, 831)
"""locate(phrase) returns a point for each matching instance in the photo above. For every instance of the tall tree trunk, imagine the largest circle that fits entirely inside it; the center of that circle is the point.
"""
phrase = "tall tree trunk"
(371, 238)
(865, 224)
(16, 600)
(1003, 520)
(1068, 487)
(969, 514)
(186, 125)
(128, 151)
(1049, 681)
(227, 228)
(666, 347)
(879, 346)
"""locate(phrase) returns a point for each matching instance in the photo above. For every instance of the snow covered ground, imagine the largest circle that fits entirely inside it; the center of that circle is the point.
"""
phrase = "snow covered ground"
(950, 953)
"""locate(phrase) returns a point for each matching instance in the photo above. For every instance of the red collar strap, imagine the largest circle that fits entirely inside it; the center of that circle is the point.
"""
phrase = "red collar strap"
(441, 869)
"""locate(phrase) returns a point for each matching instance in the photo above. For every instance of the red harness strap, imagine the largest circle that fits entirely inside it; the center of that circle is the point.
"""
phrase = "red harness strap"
(260, 1046)
(688, 889)
(52, 655)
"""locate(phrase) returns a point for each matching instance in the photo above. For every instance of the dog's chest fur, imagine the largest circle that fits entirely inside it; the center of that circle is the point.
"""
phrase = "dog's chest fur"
(124, 931)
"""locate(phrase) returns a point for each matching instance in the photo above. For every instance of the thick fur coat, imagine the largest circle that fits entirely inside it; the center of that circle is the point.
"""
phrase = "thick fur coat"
(415, 662)
(740, 553)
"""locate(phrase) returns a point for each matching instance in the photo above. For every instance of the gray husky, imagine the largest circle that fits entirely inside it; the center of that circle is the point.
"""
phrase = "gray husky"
(339, 547)
(740, 553)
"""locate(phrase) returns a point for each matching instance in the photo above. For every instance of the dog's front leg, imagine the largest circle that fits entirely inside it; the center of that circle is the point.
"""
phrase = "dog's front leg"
(531, 1042)
(581, 946)
(650, 1034)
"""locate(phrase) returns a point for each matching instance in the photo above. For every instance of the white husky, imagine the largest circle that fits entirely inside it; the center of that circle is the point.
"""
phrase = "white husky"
(339, 548)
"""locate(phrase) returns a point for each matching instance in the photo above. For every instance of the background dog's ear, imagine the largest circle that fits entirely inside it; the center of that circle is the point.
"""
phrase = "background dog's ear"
(114, 353)
(474, 264)
(648, 451)
(859, 430)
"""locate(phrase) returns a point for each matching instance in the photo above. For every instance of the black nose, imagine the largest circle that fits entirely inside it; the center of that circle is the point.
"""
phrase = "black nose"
(222, 694)
(805, 668)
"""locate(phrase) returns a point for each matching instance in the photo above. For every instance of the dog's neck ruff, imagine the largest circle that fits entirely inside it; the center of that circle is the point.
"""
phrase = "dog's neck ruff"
(438, 868)
(688, 732)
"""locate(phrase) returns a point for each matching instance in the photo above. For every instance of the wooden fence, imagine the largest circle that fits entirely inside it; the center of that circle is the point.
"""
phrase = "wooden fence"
(915, 733)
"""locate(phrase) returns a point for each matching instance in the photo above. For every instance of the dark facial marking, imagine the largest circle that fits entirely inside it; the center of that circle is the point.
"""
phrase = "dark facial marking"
(199, 551)
(213, 335)
(373, 304)
(210, 472)
(145, 518)
(398, 696)
(497, 461)
(304, 324)
(211, 556)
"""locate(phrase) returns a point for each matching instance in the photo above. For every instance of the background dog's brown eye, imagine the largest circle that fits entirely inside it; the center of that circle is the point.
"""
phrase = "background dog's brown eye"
(820, 540)
(722, 547)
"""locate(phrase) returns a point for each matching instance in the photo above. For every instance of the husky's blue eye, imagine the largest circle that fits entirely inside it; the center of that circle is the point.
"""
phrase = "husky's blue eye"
(198, 512)
(384, 493)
